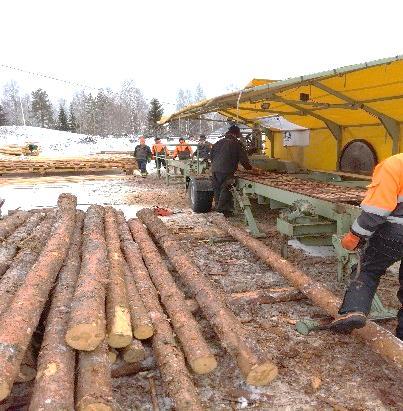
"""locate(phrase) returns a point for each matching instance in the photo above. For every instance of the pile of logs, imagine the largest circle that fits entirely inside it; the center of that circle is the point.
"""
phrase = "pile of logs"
(78, 290)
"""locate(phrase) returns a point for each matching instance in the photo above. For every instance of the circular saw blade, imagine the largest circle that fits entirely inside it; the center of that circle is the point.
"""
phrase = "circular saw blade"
(358, 157)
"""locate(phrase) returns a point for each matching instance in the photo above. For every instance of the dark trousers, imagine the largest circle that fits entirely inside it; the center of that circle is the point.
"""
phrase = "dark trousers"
(160, 162)
(142, 165)
(222, 183)
(382, 251)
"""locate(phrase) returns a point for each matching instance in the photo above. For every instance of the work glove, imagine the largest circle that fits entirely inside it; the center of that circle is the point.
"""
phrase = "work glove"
(351, 242)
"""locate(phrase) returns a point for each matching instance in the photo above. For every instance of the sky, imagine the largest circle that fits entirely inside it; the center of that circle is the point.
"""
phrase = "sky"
(166, 45)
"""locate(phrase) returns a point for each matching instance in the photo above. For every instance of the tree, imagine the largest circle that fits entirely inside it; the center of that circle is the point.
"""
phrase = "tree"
(3, 117)
(42, 111)
(154, 115)
(72, 121)
(62, 123)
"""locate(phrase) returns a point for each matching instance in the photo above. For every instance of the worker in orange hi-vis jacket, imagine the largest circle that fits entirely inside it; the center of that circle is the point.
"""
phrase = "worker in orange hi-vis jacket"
(379, 230)
(159, 151)
(182, 150)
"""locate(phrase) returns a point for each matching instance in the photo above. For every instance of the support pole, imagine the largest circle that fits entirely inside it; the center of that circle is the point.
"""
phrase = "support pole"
(379, 339)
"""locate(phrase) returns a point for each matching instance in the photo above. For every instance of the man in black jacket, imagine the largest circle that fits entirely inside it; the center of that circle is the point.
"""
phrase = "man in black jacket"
(225, 156)
(143, 155)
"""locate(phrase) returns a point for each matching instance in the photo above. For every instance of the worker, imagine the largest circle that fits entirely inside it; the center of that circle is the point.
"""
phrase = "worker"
(159, 152)
(379, 231)
(143, 156)
(203, 148)
(225, 156)
(182, 150)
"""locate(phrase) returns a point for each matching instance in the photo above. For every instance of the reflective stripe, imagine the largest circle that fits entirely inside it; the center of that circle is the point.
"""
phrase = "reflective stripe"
(395, 220)
(359, 230)
(400, 199)
(375, 210)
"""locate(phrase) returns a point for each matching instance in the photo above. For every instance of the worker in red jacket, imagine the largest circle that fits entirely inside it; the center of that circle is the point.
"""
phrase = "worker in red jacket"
(182, 150)
(380, 228)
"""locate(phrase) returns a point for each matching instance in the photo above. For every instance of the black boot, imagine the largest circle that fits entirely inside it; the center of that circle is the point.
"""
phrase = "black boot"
(399, 328)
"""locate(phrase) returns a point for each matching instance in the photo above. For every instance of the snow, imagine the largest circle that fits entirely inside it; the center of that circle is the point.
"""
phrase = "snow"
(313, 250)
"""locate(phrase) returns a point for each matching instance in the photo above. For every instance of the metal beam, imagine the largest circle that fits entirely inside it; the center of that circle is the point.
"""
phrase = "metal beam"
(391, 125)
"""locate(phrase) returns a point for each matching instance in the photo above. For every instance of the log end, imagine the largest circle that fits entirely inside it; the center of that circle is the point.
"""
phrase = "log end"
(112, 355)
(85, 337)
(97, 406)
(27, 373)
(119, 340)
(204, 365)
(132, 356)
(5, 390)
(262, 374)
(143, 332)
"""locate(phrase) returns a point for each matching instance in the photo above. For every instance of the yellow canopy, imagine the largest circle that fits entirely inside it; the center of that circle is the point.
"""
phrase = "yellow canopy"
(360, 95)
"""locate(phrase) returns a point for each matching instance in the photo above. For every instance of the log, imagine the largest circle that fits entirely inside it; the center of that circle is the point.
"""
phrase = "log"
(86, 327)
(256, 368)
(170, 360)
(377, 338)
(23, 262)
(122, 368)
(27, 370)
(117, 305)
(23, 314)
(10, 246)
(11, 222)
(134, 352)
(153, 394)
(94, 383)
(54, 385)
(113, 355)
(141, 322)
(186, 327)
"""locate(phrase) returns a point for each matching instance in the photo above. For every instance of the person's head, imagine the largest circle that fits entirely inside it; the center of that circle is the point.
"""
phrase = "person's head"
(157, 140)
(142, 140)
(181, 140)
(235, 131)
(202, 138)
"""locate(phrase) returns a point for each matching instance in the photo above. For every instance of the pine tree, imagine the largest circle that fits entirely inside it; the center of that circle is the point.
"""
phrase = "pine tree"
(72, 122)
(154, 115)
(3, 117)
(42, 112)
(62, 120)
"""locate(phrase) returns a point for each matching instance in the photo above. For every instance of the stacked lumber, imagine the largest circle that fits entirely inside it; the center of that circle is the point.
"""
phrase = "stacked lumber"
(80, 164)
(86, 297)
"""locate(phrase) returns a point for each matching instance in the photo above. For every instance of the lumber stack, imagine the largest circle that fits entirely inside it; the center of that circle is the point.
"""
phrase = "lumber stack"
(42, 166)
(88, 296)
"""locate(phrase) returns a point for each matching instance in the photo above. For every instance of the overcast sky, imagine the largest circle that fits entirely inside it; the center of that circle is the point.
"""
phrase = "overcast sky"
(170, 44)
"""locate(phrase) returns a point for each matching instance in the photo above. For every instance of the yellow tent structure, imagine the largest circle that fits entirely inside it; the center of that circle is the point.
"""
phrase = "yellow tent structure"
(361, 102)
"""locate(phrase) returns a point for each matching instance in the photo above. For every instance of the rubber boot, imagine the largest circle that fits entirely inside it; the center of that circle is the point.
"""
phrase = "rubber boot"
(399, 328)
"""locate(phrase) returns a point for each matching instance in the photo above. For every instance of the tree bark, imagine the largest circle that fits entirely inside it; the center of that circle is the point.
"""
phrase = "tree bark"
(23, 314)
(254, 365)
(11, 222)
(117, 306)
(54, 385)
(11, 245)
(141, 322)
(23, 262)
(379, 339)
(134, 352)
(170, 360)
(94, 383)
(86, 327)
(186, 327)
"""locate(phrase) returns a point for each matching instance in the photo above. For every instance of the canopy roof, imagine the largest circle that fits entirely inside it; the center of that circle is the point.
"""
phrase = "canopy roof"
(360, 95)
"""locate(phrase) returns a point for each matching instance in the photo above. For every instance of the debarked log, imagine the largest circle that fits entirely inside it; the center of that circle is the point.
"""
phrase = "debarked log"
(379, 339)
(256, 368)
(23, 314)
(134, 352)
(186, 327)
(117, 306)
(24, 260)
(54, 384)
(86, 328)
(170, 360)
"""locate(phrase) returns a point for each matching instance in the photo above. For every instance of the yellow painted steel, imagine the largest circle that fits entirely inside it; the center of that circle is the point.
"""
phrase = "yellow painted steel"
(363, 101)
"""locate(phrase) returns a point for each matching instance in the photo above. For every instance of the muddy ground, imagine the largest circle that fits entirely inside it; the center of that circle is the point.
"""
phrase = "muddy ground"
(321, 371)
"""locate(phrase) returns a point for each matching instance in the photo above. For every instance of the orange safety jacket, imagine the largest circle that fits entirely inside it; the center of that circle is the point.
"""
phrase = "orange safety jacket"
(383, 202)
(183, 151)
(159, 149)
